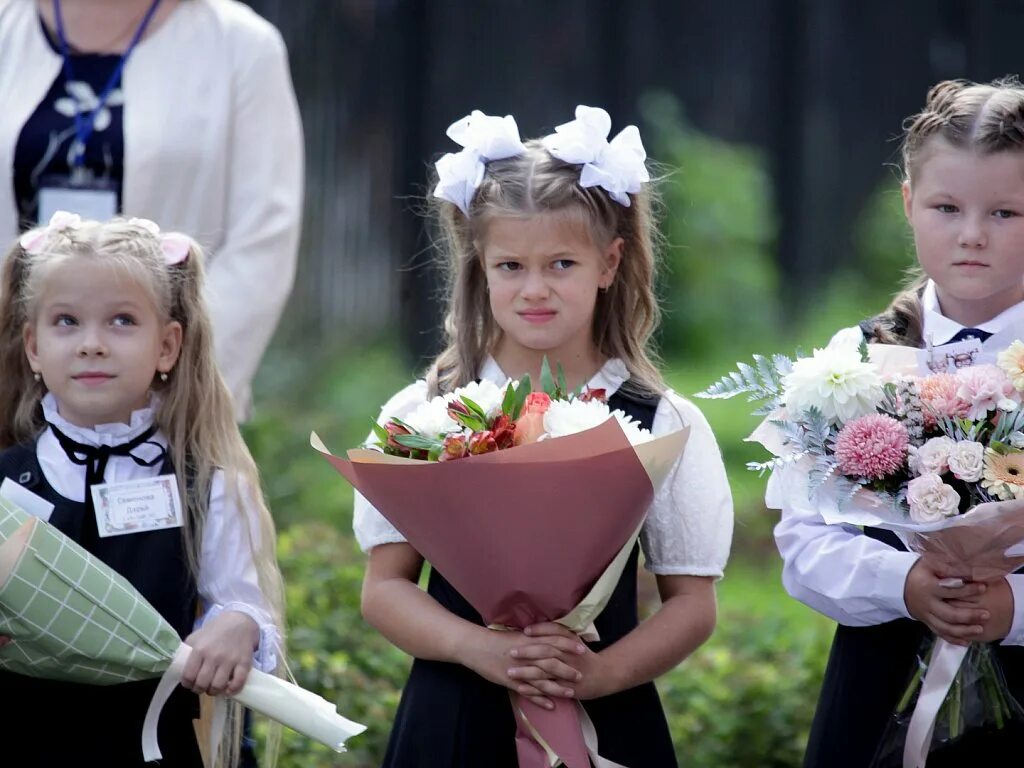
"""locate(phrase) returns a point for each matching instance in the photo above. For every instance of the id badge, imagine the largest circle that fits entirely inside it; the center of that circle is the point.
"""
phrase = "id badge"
(949, 357)
(134, 506)
(84, 194)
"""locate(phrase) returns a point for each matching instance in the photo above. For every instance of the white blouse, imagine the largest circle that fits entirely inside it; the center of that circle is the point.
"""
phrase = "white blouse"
(688, 530)
(836, 569)
(227, 578)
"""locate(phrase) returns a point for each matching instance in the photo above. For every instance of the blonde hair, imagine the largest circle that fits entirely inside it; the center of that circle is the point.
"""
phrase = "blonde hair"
(195, 411)
(536, 182)
(983, 118)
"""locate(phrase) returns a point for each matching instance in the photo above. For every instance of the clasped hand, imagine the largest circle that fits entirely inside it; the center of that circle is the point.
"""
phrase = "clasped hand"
(543, 662)
(221, 654)
(973, 612)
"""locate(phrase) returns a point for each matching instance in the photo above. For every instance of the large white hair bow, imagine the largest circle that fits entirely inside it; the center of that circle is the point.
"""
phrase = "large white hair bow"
(485, 138)
(616, 165)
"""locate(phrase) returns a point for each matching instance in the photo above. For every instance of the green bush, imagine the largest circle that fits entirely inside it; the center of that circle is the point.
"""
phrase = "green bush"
(719, 227)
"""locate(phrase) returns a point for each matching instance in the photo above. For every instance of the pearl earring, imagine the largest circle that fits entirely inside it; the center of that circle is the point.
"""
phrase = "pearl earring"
(37, 376)
(163, 376)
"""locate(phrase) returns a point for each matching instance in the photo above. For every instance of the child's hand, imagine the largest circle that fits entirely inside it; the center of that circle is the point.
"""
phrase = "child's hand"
(495, 655)
(221, 654)
(944, 609)
(997, 599)
(591, 681)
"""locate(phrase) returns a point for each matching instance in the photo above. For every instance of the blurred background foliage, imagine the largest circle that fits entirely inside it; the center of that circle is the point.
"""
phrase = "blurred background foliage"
(744, 699)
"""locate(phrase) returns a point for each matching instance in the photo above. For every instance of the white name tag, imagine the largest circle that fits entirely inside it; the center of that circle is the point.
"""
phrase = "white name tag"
(949, 357)
(137, 505)
(31, 503)
(98, 204)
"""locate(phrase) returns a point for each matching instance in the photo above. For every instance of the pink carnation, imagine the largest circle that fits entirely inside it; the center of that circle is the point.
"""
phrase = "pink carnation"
(938, 396)
(872, 446)
(983, 387)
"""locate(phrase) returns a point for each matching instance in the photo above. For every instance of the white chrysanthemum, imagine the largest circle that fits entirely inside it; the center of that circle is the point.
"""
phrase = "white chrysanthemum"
(431, 418)
(567, 417)
(484, 393)
(836, 382)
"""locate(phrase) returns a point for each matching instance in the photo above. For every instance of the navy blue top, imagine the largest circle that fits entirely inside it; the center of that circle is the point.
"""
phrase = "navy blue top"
(44, 144)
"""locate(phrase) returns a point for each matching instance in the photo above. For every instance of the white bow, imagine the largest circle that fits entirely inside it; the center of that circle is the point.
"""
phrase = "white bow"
(485, 138)
(616, 165)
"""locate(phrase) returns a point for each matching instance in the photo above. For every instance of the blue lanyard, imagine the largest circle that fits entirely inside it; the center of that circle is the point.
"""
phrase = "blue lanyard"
(84, 121)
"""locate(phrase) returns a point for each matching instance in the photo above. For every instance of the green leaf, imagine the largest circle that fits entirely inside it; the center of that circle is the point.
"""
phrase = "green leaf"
(522, 392)
(547, 381)
(865, 356)
(508, 402)
(419, 442)
(476, 409)
(563, 388)
(381, 433)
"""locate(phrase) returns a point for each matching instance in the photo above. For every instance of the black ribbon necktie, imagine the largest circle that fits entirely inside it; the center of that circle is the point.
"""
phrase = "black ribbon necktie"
(968, 333)
(94, 458)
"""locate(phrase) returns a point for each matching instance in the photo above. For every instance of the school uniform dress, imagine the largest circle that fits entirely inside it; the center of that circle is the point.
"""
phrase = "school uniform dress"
(69, 724)
(450, 717)
(857, 578)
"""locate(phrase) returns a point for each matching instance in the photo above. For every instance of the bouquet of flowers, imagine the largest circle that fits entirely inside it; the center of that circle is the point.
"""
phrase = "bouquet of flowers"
(550, 543)
(937, 458)
(72, 617)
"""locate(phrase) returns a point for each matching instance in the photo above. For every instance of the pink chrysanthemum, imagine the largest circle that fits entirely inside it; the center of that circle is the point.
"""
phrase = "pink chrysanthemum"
(984, 387)
(939, 397)
(872, 446)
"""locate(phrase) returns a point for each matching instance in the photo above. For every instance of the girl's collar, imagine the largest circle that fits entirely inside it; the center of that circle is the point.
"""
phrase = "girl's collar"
(101, 434)
(942, 329)
(613, 374)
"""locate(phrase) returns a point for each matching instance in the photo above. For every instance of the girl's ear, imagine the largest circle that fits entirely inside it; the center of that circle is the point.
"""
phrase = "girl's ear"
(908, 198)
(28, 337)
(612, 259)
(170, 347)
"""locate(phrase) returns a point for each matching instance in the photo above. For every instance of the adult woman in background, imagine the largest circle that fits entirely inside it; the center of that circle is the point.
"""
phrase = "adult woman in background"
(180, 111)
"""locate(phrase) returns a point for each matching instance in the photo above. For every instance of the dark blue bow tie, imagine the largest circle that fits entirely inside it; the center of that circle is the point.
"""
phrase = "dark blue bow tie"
(968, 333)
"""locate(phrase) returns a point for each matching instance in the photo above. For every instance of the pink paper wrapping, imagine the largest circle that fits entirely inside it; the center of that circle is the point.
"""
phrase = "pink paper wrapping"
(522, 534)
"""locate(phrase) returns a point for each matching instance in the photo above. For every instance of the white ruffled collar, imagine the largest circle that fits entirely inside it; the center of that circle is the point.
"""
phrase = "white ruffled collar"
(102, 434)
(613, 374)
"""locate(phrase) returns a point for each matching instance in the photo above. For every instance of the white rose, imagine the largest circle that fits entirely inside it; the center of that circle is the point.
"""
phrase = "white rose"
(933, 456)
(836, 382)
(930, 499)
(967, 461)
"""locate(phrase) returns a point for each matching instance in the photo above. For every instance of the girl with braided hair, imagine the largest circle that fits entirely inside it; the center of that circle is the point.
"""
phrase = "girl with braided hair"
(963, 195)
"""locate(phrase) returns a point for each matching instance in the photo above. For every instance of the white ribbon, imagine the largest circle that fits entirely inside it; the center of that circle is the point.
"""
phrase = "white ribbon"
(485, 138)
(617, 165)
(168, 682)
(290, 705)
(945, 662)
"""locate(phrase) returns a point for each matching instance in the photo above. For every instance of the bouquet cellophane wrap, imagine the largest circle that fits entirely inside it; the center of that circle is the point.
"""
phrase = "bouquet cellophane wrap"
(71, 617)
(535, 533)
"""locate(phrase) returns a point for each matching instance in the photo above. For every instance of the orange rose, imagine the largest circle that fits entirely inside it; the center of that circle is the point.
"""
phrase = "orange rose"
(530, 424)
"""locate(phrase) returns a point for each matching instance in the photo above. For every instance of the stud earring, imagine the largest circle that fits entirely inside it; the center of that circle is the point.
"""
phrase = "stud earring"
(37, 376)
(163, 376)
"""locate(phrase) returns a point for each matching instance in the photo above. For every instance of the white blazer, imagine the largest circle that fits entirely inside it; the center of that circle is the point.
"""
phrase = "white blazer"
(213, 148)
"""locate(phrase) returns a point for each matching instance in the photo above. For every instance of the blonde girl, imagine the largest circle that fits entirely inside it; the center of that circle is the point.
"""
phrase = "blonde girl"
(109, 377)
